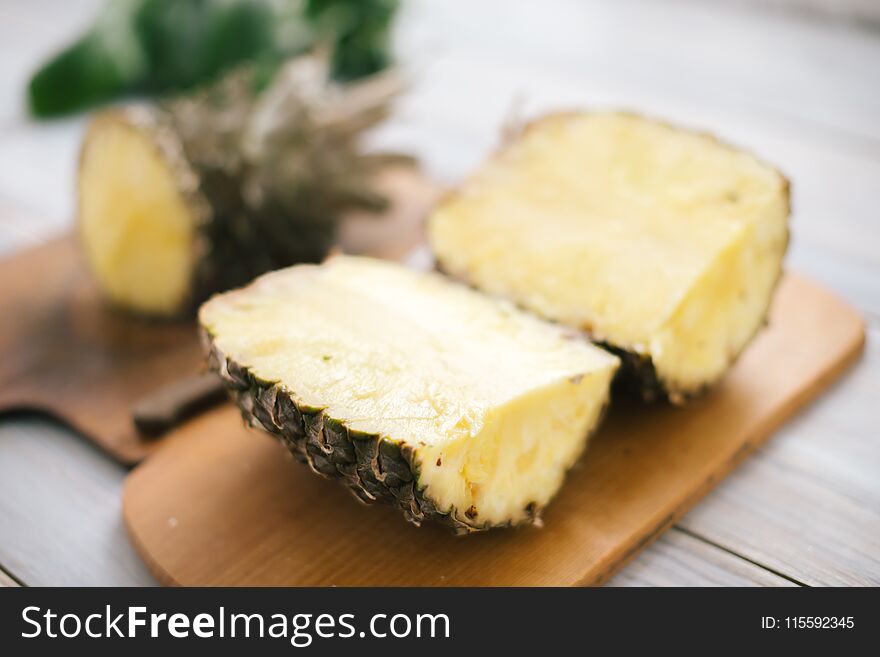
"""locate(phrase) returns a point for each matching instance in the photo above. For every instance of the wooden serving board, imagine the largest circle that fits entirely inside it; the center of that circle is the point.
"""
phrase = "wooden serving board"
(66, 353)
(224, 505)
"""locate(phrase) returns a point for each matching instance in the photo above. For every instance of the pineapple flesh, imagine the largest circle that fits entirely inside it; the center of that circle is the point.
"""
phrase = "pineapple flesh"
(411, 389)
(137, 226)
(664, 245)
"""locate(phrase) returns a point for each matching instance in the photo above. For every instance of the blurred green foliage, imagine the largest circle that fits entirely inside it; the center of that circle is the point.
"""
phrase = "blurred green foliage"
(153, 47)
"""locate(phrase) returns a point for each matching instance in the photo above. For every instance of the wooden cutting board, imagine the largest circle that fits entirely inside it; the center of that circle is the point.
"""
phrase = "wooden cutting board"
(68, 354)
(65, 353)
(225, 505)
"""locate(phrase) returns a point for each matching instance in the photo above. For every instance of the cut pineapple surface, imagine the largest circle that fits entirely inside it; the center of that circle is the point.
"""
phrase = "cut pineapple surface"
(136, 227)
(410, 388)
(663, 244)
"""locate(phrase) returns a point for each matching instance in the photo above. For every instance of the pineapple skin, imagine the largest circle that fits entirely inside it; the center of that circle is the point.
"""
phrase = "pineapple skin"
(373, 467)
(637, 376)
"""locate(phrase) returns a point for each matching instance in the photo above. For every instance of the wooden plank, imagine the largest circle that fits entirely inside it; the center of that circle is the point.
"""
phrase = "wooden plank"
(866, 12)
(741, 58)
(679, 559)
(6, 580)
(60, 510)
(674, 560)
(810, 505)
(221, 505)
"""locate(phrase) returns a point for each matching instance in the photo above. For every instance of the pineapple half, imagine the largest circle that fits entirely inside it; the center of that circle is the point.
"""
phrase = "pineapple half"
(664, 245)
(208, 190)
(409, 388)
(161, 232)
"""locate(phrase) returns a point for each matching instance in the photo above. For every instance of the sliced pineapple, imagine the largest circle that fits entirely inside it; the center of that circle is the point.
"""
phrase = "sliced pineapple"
(663, 244)
(205, 192)
(411, 389)
(138, 213)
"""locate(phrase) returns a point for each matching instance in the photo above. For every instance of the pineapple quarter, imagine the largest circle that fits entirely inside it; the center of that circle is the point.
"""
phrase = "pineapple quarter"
(411, 388)
(664, 245)
(136, 227)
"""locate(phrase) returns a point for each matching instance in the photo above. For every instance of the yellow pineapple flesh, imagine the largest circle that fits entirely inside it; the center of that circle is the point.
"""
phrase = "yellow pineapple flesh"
(137, 230)
(663, 244)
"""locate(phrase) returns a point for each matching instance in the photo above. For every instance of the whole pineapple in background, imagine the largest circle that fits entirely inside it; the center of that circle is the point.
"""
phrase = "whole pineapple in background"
(663, 244)
(206, 192)
(410, 389)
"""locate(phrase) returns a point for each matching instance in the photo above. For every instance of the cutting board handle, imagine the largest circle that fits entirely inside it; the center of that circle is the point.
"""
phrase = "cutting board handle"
(170, 405)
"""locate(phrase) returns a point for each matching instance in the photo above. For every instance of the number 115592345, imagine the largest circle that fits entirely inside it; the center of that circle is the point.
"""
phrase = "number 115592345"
(808, 622)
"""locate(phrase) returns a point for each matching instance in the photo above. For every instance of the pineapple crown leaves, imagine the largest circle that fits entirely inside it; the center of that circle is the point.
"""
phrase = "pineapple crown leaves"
(288, 155)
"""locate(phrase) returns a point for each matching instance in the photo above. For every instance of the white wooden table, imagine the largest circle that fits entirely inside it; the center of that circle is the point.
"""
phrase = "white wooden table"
(802, 92)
